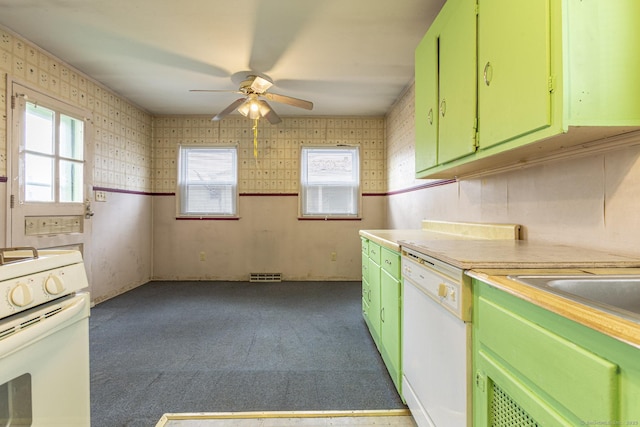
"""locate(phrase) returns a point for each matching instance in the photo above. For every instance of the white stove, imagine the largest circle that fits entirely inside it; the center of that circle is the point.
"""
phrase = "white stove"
(44, 339)
(29, 277)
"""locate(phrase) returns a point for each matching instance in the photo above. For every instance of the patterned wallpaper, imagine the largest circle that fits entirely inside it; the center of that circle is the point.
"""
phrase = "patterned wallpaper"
(276, 168)
(400, 165)
(135, 151)
(122, 132)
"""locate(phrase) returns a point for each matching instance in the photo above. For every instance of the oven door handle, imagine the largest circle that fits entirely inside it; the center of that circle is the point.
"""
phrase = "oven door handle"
(44, 323)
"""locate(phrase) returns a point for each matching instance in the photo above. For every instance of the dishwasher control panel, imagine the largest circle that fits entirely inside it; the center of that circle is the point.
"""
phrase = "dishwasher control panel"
(443, 283)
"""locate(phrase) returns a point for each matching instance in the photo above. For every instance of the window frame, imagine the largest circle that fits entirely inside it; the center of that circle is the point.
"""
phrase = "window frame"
(302, 194)
(56, 157)
(181, 186)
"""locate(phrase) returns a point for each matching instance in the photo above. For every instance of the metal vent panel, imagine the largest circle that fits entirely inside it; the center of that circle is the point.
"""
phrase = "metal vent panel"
(504, 412)
(265, 277)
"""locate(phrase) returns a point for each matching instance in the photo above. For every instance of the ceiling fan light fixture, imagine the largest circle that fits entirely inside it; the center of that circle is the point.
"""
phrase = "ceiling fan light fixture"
(245, 108)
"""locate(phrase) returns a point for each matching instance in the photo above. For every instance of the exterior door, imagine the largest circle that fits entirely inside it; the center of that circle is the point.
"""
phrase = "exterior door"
(49, 173)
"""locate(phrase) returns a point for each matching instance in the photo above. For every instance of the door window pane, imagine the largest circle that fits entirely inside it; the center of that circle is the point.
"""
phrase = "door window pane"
(38, 178)
(71, 137)
(71, 176)
(39, 129)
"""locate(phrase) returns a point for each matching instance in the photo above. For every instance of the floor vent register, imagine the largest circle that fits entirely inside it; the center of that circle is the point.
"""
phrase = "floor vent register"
(265, 277)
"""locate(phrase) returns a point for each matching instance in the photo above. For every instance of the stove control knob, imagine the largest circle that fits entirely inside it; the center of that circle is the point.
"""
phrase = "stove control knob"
(21, 295)
(54, 285)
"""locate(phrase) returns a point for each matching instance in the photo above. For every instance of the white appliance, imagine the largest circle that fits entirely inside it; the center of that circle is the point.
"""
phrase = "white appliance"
(436, 341)
(44, 339)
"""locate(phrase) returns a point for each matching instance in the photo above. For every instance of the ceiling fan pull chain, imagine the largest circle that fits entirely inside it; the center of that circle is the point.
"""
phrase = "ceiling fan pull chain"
(255, 137)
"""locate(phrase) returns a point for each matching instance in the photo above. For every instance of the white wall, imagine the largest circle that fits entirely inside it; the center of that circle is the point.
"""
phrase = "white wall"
(591, 201)
(268, 238)
(121, 244)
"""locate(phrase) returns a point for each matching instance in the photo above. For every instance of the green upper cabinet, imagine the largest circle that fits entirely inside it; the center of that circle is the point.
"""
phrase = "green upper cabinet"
(446, 87)
(514, 69)
(548, 76)
(426, 111)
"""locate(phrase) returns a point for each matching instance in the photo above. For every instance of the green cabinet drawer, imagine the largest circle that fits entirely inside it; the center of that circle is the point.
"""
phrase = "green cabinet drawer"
(391, 262)
(571, 377)
(375, 251)
(365, 267)
(366, 297)
(365, 246)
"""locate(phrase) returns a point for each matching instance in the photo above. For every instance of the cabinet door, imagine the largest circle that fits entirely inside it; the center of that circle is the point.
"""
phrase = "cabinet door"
(426, 100)
(374, 301)
(457, 81)
(500, 399)
(366, 294)
(390, 325)
(514, 56)
(523, 365)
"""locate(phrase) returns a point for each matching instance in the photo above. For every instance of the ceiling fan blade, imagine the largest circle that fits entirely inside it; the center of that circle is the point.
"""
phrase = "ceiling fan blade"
(214, 90)
(235, 104)
(267, 112)
(301, 103)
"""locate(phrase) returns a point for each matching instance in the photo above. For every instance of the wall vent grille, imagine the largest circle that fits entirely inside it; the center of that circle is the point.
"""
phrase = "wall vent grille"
(265, 277)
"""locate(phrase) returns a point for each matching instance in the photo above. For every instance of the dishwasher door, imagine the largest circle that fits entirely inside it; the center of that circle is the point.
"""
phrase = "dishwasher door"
(436, 361)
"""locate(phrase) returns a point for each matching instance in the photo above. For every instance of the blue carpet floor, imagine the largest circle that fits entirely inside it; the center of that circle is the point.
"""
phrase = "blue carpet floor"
(233, 346)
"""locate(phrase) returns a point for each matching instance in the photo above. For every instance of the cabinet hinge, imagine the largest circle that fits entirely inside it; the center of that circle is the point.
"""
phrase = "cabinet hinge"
(476, 135)
(477, 8)
(552, 83)
(480, 382)
(12, 201)
(13, 102)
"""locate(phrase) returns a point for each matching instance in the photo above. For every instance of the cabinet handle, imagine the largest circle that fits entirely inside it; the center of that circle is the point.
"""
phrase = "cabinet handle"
(443, 107)
(382, 314)
(430, 116)
(488, 73)
(386, 261)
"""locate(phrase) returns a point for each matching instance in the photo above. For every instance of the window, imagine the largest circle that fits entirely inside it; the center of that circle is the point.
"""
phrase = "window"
(207, 181)
(330, 182)
(53, 156)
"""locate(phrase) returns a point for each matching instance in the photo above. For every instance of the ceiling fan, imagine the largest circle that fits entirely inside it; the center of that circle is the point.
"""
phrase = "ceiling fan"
(255, 87)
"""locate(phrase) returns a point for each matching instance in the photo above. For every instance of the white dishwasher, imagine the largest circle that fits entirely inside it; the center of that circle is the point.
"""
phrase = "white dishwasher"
(436, 353)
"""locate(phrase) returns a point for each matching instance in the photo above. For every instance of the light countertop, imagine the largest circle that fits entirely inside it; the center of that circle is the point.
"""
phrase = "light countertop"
(493, 257)
(516, 254)
(617, 327)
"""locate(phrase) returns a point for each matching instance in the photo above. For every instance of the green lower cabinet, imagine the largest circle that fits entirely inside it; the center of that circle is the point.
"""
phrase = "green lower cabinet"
(382, 305)
(535, 368)
(374, 301)
(390, 315)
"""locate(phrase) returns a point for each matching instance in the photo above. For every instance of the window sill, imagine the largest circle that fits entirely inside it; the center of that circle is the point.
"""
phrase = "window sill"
(207, 218)
(329, 218)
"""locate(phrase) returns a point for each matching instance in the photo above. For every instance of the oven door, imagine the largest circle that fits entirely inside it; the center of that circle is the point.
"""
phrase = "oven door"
(44, 356)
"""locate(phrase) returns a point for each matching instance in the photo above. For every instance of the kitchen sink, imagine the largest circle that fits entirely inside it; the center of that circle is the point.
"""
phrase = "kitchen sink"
(617, 294)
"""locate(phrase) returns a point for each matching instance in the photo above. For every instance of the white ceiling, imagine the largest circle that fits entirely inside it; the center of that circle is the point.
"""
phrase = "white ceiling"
(349, 57)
